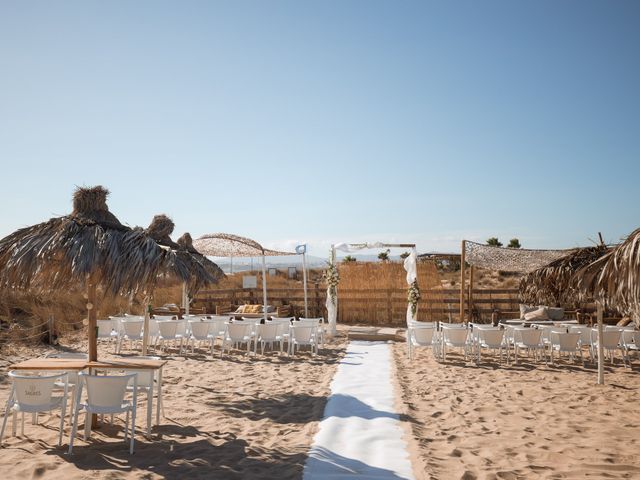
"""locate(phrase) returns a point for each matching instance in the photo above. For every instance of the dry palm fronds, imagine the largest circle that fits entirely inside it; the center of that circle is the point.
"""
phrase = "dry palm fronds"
(89, 243)
(615, 278)
(559, 282)
(194, 268)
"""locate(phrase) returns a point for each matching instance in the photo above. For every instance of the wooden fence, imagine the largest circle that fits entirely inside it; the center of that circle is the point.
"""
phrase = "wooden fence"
(374, 306)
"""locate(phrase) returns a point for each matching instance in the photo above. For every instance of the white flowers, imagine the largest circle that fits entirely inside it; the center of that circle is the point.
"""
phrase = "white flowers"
(332, 278)
(413, 296)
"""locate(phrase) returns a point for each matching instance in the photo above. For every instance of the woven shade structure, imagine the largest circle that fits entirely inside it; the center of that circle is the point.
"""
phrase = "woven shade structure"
(510, 259)
(559, 282)
(229, 245)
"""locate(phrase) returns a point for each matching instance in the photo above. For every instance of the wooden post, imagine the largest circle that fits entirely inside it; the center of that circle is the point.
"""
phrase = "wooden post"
(93, 324)
(145, 325)
(471, 293)
(600, 346)
(389, 308)
(50, 328)
(462, 281)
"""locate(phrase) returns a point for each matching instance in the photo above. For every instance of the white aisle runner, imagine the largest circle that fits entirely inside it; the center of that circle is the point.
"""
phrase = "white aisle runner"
(360, 435)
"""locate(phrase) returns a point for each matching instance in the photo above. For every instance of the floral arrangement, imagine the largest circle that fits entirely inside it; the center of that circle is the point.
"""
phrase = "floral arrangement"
(413, 296)
(332, 278)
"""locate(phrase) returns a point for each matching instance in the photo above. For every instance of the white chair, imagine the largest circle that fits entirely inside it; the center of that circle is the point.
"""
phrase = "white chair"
(106, 331)
(303, 335)
(34, 394)
(237, 333)
(154, 331)
(168, 332)
(563, 342)
(630, 340)
(72, 376)
(218, 328)
(131, 331)
(320, 327)
(610, 343)
(200, 333)
(585, 337)
(509, 336)
(529, 339)
(285, 324)
(105, 396)
(421, 336)
(146, 379)
(492, 339)
(267, 334)
(183, 333)
(454, 337)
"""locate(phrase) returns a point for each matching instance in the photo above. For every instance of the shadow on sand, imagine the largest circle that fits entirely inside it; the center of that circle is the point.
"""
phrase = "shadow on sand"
(183, 452)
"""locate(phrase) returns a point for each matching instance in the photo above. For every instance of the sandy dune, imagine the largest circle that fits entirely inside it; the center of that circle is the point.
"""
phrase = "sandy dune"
(231, 418)
(523, 421)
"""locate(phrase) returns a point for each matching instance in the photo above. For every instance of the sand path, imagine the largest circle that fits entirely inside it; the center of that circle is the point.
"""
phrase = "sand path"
(360, 434)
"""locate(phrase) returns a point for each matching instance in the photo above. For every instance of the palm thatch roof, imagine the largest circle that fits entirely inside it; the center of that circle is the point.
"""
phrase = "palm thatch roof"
(615, 277)
(186, 248)
(183, 256)
(90, 243)
(559, 282)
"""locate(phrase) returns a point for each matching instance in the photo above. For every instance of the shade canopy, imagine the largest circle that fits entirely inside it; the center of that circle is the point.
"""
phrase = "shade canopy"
(559, 282)
(90, 243)
(519, 260)
(615, 277)
(90, 247)
(229, 245)
(199, 269)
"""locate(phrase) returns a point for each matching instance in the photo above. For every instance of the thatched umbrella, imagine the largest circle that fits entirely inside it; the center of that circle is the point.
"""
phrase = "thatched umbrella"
(185, 243)
(614, 279)
(559, 281)
(202, 269)
(563, 281)
(89, 247)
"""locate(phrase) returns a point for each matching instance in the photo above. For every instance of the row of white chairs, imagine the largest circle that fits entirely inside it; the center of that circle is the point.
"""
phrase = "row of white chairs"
(541, 342)
(206, 330)
(105, 395)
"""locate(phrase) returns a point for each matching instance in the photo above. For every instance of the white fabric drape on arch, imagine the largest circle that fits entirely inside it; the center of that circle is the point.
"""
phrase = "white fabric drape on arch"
(411, 266)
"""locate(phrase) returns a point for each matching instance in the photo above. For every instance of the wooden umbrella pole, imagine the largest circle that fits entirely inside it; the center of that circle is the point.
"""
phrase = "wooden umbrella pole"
(462, 281)
(92, 317)
(600, 346)
(264, 287)
(471, 270)
(145, 326)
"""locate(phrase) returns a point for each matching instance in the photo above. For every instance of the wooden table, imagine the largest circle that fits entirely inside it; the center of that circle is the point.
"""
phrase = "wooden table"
(52, 364)
(78, 364)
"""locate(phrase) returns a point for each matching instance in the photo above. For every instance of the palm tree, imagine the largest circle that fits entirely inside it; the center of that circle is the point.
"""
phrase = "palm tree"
(349, 258)
(514, 243)
(384, 256)
(494, 242)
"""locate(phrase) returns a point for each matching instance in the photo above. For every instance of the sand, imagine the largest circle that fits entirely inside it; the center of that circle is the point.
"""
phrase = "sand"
(229, 419)
(240, 418)
(525, 421)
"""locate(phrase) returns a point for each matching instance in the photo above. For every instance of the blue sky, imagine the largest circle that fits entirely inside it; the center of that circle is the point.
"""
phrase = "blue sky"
(328, 121)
